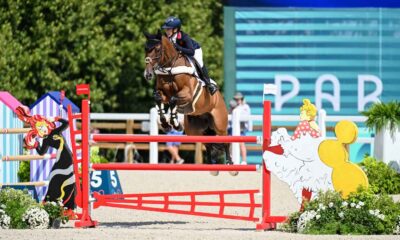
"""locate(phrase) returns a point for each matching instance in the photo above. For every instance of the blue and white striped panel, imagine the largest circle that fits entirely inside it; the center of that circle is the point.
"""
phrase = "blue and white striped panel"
(10, 145)
(40, 170)
(309, 42)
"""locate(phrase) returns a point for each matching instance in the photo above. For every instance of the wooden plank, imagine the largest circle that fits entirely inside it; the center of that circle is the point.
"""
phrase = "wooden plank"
(14, 130)
(36, 184)
(198, 153)
(129, 130)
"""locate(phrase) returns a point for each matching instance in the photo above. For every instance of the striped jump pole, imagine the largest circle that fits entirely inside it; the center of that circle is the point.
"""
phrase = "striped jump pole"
(146, 201)
(28, 157)
(14, 130)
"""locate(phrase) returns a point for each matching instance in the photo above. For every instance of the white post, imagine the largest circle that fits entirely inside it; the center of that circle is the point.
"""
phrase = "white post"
(236, 132)
(153, 155)
(322, 122)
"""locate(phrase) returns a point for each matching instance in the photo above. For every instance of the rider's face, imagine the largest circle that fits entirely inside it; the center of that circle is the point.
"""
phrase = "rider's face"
(170, 31)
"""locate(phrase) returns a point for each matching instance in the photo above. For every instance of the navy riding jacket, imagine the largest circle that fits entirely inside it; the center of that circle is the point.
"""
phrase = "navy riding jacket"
(186, 44)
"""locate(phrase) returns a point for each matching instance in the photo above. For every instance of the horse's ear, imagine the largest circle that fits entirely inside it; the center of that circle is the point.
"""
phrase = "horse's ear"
(146, 34)
(159, 34)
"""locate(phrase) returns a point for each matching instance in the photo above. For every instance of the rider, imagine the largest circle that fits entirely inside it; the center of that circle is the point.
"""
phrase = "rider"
(188, 46)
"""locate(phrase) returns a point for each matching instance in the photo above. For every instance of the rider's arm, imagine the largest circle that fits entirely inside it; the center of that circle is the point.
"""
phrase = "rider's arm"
(188, 49)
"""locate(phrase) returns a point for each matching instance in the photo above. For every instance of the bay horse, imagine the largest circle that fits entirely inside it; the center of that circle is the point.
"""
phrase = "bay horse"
(178, 89)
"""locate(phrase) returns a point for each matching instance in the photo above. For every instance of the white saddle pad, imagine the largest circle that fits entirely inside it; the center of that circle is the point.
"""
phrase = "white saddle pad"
(183, 69)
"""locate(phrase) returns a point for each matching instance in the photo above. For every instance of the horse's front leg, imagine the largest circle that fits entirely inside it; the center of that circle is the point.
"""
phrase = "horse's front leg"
(162, 120)
(174, 114)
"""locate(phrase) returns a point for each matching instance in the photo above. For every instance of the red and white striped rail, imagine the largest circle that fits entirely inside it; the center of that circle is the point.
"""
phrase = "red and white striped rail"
(167, 201)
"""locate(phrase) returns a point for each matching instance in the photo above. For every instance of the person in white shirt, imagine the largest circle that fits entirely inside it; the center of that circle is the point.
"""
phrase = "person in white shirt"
(245, 110)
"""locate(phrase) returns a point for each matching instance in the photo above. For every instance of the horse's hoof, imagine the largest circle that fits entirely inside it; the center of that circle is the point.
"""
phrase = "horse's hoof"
(166, 128)
(179, 128)
(233, 173)
(214, 173)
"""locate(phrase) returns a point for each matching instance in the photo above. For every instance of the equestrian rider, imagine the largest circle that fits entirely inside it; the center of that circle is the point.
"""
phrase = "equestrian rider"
(183, 43)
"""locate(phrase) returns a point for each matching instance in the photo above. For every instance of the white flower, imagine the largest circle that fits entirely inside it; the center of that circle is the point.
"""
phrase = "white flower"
(304, 219)
(318, 216)
(397, 230)
(36, 218)
(3, 206)
(381, 216)
(352, 204)
(345, 204)
(341, 214)
(372, 212)
(321, 206)
(358, 206)
(4, 220)
(361, 203)
(330, 204)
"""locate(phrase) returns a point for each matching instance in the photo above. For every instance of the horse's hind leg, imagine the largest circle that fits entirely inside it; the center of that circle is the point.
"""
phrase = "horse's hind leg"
(227, 148)
(160, 108)
(220, 120)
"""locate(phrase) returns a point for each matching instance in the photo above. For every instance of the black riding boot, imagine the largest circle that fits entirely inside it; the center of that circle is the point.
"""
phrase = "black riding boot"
(212, 89)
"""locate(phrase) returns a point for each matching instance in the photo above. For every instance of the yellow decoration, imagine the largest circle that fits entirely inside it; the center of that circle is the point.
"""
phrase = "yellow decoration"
(346, 176)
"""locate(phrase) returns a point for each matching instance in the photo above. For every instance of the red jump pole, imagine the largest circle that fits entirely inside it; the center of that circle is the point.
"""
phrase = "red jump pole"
(167, 138)
(172, 167)
(267, 221)
(86, 219)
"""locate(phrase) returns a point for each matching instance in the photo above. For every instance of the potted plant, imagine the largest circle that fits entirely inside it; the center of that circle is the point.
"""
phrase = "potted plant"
(56, 211)
(384, 118)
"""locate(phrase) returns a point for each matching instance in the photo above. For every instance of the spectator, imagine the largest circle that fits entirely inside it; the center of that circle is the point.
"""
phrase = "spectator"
(173, 148)
(245, 110)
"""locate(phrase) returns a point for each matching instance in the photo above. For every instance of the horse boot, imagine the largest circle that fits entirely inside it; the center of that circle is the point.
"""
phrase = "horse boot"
(212, 89)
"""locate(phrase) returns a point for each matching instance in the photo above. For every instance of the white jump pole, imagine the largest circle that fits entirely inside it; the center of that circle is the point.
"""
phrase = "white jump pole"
(236, 132)
(153, 154)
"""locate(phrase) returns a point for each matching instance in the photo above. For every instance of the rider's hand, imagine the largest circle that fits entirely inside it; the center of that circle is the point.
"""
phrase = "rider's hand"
(177, 47)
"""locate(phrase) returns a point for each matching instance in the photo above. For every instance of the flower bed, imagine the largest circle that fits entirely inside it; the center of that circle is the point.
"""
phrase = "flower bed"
(19, 210)
(362, 213)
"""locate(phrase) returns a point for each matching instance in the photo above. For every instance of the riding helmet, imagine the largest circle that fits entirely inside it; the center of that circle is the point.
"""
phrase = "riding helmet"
(172, 22)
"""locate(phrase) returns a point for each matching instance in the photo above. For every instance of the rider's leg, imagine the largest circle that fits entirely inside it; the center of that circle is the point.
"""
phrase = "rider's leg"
(198, 55)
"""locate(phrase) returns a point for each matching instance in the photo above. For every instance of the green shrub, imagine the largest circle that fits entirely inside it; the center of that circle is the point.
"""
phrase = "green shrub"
(362, 213)
(24, 172)
(95, 157)
(15, 203)
(381, 177)
(383, 115)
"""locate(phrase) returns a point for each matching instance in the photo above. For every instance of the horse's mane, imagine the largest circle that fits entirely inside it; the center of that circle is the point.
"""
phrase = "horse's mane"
(152, 40)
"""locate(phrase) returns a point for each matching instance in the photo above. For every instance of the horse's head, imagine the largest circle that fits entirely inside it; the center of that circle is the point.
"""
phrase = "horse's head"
(153, 50)
(160, 53)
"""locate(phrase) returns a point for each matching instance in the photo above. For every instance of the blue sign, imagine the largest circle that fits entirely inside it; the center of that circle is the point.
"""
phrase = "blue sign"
(105, 182)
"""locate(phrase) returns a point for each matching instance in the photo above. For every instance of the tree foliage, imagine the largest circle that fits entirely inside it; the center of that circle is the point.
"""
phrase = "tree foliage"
(48, 45)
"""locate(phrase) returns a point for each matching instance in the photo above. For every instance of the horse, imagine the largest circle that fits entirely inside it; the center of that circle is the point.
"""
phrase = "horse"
(178, 89)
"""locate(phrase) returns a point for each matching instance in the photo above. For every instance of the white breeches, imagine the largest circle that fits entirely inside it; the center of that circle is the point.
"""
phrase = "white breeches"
(198, 55)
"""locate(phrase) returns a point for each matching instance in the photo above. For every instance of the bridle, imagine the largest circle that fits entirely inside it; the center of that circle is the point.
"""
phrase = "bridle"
(168, 64)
